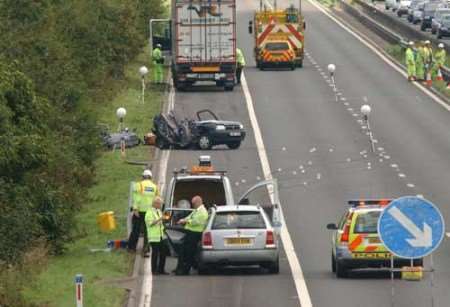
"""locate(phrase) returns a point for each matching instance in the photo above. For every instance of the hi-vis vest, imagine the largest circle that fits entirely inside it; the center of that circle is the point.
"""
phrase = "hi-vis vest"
(156, 232)
(196, 221)
(144, 193)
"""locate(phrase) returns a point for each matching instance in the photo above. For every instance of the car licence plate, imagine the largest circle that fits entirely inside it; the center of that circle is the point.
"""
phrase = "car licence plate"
(238, 241)
(235, 134)
(371, 255)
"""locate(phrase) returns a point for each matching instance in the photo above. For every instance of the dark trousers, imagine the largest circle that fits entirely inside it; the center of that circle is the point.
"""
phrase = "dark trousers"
(239, 73)
(186, 257)
(159, 253)
(138, 226)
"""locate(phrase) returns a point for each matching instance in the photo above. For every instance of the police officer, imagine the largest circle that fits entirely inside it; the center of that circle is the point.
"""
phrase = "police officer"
(194, 224)
(410, 62)
(156, 237)
(420, 66)
(428, 57)
(158, 61)
(144, 193)
(240, 63)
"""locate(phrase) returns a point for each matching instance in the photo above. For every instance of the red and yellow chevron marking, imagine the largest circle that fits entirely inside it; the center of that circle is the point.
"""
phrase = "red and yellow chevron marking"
(295, 37)
(356, 245)
(279, 56)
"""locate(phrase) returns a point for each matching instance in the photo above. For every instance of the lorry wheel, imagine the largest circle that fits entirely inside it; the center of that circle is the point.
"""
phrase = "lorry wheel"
(422, 27)
(300, 63)
(204, 142)
(439, 35)
(229, 88)
(293, 66)
(433, 31)
(234, 145)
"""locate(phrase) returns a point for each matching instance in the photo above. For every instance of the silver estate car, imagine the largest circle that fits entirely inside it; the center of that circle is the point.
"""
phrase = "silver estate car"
(239, 235)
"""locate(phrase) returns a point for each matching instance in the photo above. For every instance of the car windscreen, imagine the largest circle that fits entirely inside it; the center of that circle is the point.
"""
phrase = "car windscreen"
(276, 46)
(367, 222)
(238, 220)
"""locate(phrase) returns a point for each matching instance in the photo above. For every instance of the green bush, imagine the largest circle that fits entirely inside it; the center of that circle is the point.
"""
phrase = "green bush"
(58, 60)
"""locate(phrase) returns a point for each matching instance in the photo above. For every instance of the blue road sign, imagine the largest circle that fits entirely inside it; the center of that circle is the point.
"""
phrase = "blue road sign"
(411, 227)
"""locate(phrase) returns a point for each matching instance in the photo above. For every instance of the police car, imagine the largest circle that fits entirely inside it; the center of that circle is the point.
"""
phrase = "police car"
(355, 240)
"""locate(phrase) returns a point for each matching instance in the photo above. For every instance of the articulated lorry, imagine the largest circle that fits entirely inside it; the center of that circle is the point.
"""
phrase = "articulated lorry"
(202, 42)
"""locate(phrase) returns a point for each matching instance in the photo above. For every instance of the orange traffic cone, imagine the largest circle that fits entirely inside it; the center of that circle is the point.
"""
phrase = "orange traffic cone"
(439, 75)
(429, 82)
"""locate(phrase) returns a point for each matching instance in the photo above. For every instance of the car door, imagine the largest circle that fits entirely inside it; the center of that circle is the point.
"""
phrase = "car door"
(174, 232)
(265, 194)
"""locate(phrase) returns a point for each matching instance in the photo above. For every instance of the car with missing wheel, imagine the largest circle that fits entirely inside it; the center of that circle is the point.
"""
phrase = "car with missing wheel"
(355, 241)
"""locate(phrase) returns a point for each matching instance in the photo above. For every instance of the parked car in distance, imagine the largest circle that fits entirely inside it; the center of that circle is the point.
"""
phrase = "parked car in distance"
(390, 4)
(428, 14)
(437, 20)
(402, 7)
(444, 28)
(414, 5)
(418, 13)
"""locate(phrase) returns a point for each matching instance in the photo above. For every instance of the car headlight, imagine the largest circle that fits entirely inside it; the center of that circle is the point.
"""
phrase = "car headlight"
(241, 126)
(220, 127)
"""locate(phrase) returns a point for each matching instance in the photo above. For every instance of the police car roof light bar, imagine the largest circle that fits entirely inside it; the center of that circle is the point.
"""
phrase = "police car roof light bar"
(369, 202)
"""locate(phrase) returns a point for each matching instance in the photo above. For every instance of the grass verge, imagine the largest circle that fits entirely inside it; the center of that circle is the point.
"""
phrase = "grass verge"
(398, 53)
(54, 286)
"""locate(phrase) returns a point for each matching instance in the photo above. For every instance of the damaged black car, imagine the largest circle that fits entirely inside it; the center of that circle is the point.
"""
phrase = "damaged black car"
(204, 132)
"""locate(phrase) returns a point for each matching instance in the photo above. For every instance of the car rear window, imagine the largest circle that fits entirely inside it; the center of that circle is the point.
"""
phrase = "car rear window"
(277, 46)
(238, 220)
(367, 222)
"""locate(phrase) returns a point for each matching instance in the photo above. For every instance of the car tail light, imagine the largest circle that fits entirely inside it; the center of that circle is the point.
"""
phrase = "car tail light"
(207, 240)
(270, 239)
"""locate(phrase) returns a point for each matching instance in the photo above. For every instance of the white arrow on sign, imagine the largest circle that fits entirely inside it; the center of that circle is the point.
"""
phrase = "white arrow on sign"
(421, 238)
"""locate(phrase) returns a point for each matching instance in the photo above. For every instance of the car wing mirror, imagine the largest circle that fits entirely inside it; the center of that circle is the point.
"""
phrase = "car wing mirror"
(332, 226)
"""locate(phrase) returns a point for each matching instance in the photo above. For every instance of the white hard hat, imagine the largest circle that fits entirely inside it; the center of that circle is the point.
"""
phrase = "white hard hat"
(158, 45)
(147, 173)
(427, 42)
(441, 45)
(410, 43)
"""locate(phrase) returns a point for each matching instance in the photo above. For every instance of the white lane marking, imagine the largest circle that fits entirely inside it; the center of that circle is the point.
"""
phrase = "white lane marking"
(147, 282)
(382, 56)
(294, 263)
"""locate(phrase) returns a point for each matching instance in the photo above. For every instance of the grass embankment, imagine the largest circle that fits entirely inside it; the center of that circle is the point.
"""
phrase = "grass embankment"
(55, 284)
(398, 53)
